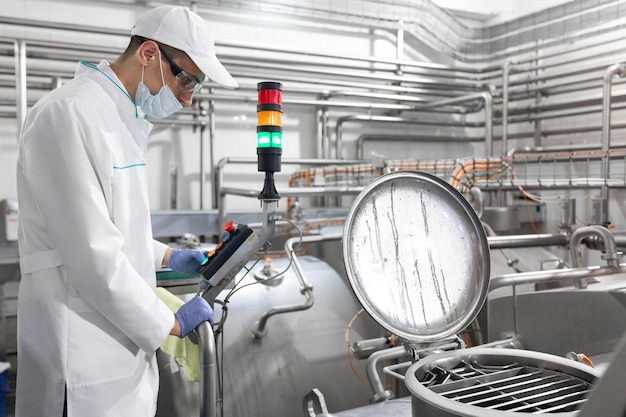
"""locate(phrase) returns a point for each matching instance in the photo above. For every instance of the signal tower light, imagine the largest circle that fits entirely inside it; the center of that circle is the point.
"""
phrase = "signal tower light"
(269, 135)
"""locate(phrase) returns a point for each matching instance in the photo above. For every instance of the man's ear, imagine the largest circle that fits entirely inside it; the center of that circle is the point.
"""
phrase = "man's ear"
(147, 52)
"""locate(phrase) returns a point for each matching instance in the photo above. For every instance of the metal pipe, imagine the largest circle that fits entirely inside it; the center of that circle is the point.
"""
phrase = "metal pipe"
(609, 252)
(571, 69)
(323, 141)
(540, 151)
(506, 69)
(371, 370)
(390, 119)
(212, 140)
(487, 107)
(619, 70)
(259, 330)
(286, 63)
(208, 370)
(20, 84)
(530, 48)
(400, 42)
(620, 239)
(410, 138)
(488, 123)
(527, 241)
(297, 191)
(531, 113)
(288, 192)
(452, 23)
(553, 275)
(340, 103)
(219, 175)
(407, 64)
(202, 175)
(275, 66)
(565, 184)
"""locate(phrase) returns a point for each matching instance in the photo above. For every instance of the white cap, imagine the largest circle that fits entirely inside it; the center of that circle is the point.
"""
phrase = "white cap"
(183, 29)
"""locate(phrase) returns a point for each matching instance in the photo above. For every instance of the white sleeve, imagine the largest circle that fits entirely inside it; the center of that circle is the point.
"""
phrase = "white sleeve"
(159, 253)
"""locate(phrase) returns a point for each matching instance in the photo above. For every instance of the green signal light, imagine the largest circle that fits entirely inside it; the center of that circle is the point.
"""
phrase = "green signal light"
(264, 139)
(269, 139)
(277, 140)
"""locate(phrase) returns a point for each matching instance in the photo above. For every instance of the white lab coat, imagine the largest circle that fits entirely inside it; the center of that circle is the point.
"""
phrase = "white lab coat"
(88, 315)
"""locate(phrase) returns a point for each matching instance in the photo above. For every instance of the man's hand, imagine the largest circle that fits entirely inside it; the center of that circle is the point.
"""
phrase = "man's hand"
(191, 314)
(186, 261)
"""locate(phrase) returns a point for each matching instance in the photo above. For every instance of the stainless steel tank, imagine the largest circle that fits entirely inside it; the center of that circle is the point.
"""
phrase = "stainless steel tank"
(301, 350)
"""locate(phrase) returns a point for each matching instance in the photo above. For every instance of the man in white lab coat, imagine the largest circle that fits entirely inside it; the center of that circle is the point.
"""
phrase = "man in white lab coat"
(89, 321)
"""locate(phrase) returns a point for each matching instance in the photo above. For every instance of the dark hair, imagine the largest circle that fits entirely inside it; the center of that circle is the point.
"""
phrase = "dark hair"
(133, 45)
(136, 41)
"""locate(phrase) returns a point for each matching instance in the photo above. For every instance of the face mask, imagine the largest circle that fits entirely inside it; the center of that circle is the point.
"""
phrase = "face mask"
(163, 104)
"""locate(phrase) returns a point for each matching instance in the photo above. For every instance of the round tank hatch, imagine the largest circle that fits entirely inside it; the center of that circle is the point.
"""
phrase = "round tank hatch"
(416, 256)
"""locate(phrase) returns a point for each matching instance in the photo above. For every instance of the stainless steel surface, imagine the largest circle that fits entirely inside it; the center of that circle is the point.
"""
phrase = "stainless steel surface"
(485, 382)
(303, 350)
(557, 321)
(502, 219)
(607, 398)
(306, 289)
(400, 407)
(399, 237)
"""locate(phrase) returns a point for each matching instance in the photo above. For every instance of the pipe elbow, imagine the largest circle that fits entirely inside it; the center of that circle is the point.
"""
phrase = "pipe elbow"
(618, 69)
(609, 249)
(487, 98)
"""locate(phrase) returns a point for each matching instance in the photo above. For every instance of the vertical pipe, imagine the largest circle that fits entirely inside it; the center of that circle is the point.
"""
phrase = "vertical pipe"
(211, 141)
(488, 123)
(612, 70)
(203, 129)
(201, 107)
(325, 135)
(321, 135)
(400, 43)
(19, 48)
(538, 97)
(505, 108)
(173, 186)
(506, 70)
(208, 370)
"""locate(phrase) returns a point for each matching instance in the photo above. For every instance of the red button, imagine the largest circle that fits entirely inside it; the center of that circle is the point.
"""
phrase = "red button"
(229, 227)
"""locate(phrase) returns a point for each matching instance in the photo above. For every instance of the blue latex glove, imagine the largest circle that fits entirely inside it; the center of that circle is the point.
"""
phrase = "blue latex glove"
(192, 313)
(186, 261)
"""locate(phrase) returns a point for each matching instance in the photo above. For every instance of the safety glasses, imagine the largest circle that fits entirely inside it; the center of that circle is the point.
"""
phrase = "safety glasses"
(188, 84)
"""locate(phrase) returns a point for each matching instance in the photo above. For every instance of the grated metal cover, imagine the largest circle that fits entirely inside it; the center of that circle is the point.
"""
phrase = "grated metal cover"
(500, 381)
(509, 387)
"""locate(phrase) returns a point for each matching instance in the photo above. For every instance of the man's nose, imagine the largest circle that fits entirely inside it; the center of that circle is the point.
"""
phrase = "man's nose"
(186, 98)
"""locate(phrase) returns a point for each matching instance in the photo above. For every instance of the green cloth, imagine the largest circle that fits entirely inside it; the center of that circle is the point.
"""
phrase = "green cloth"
(186, 352)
